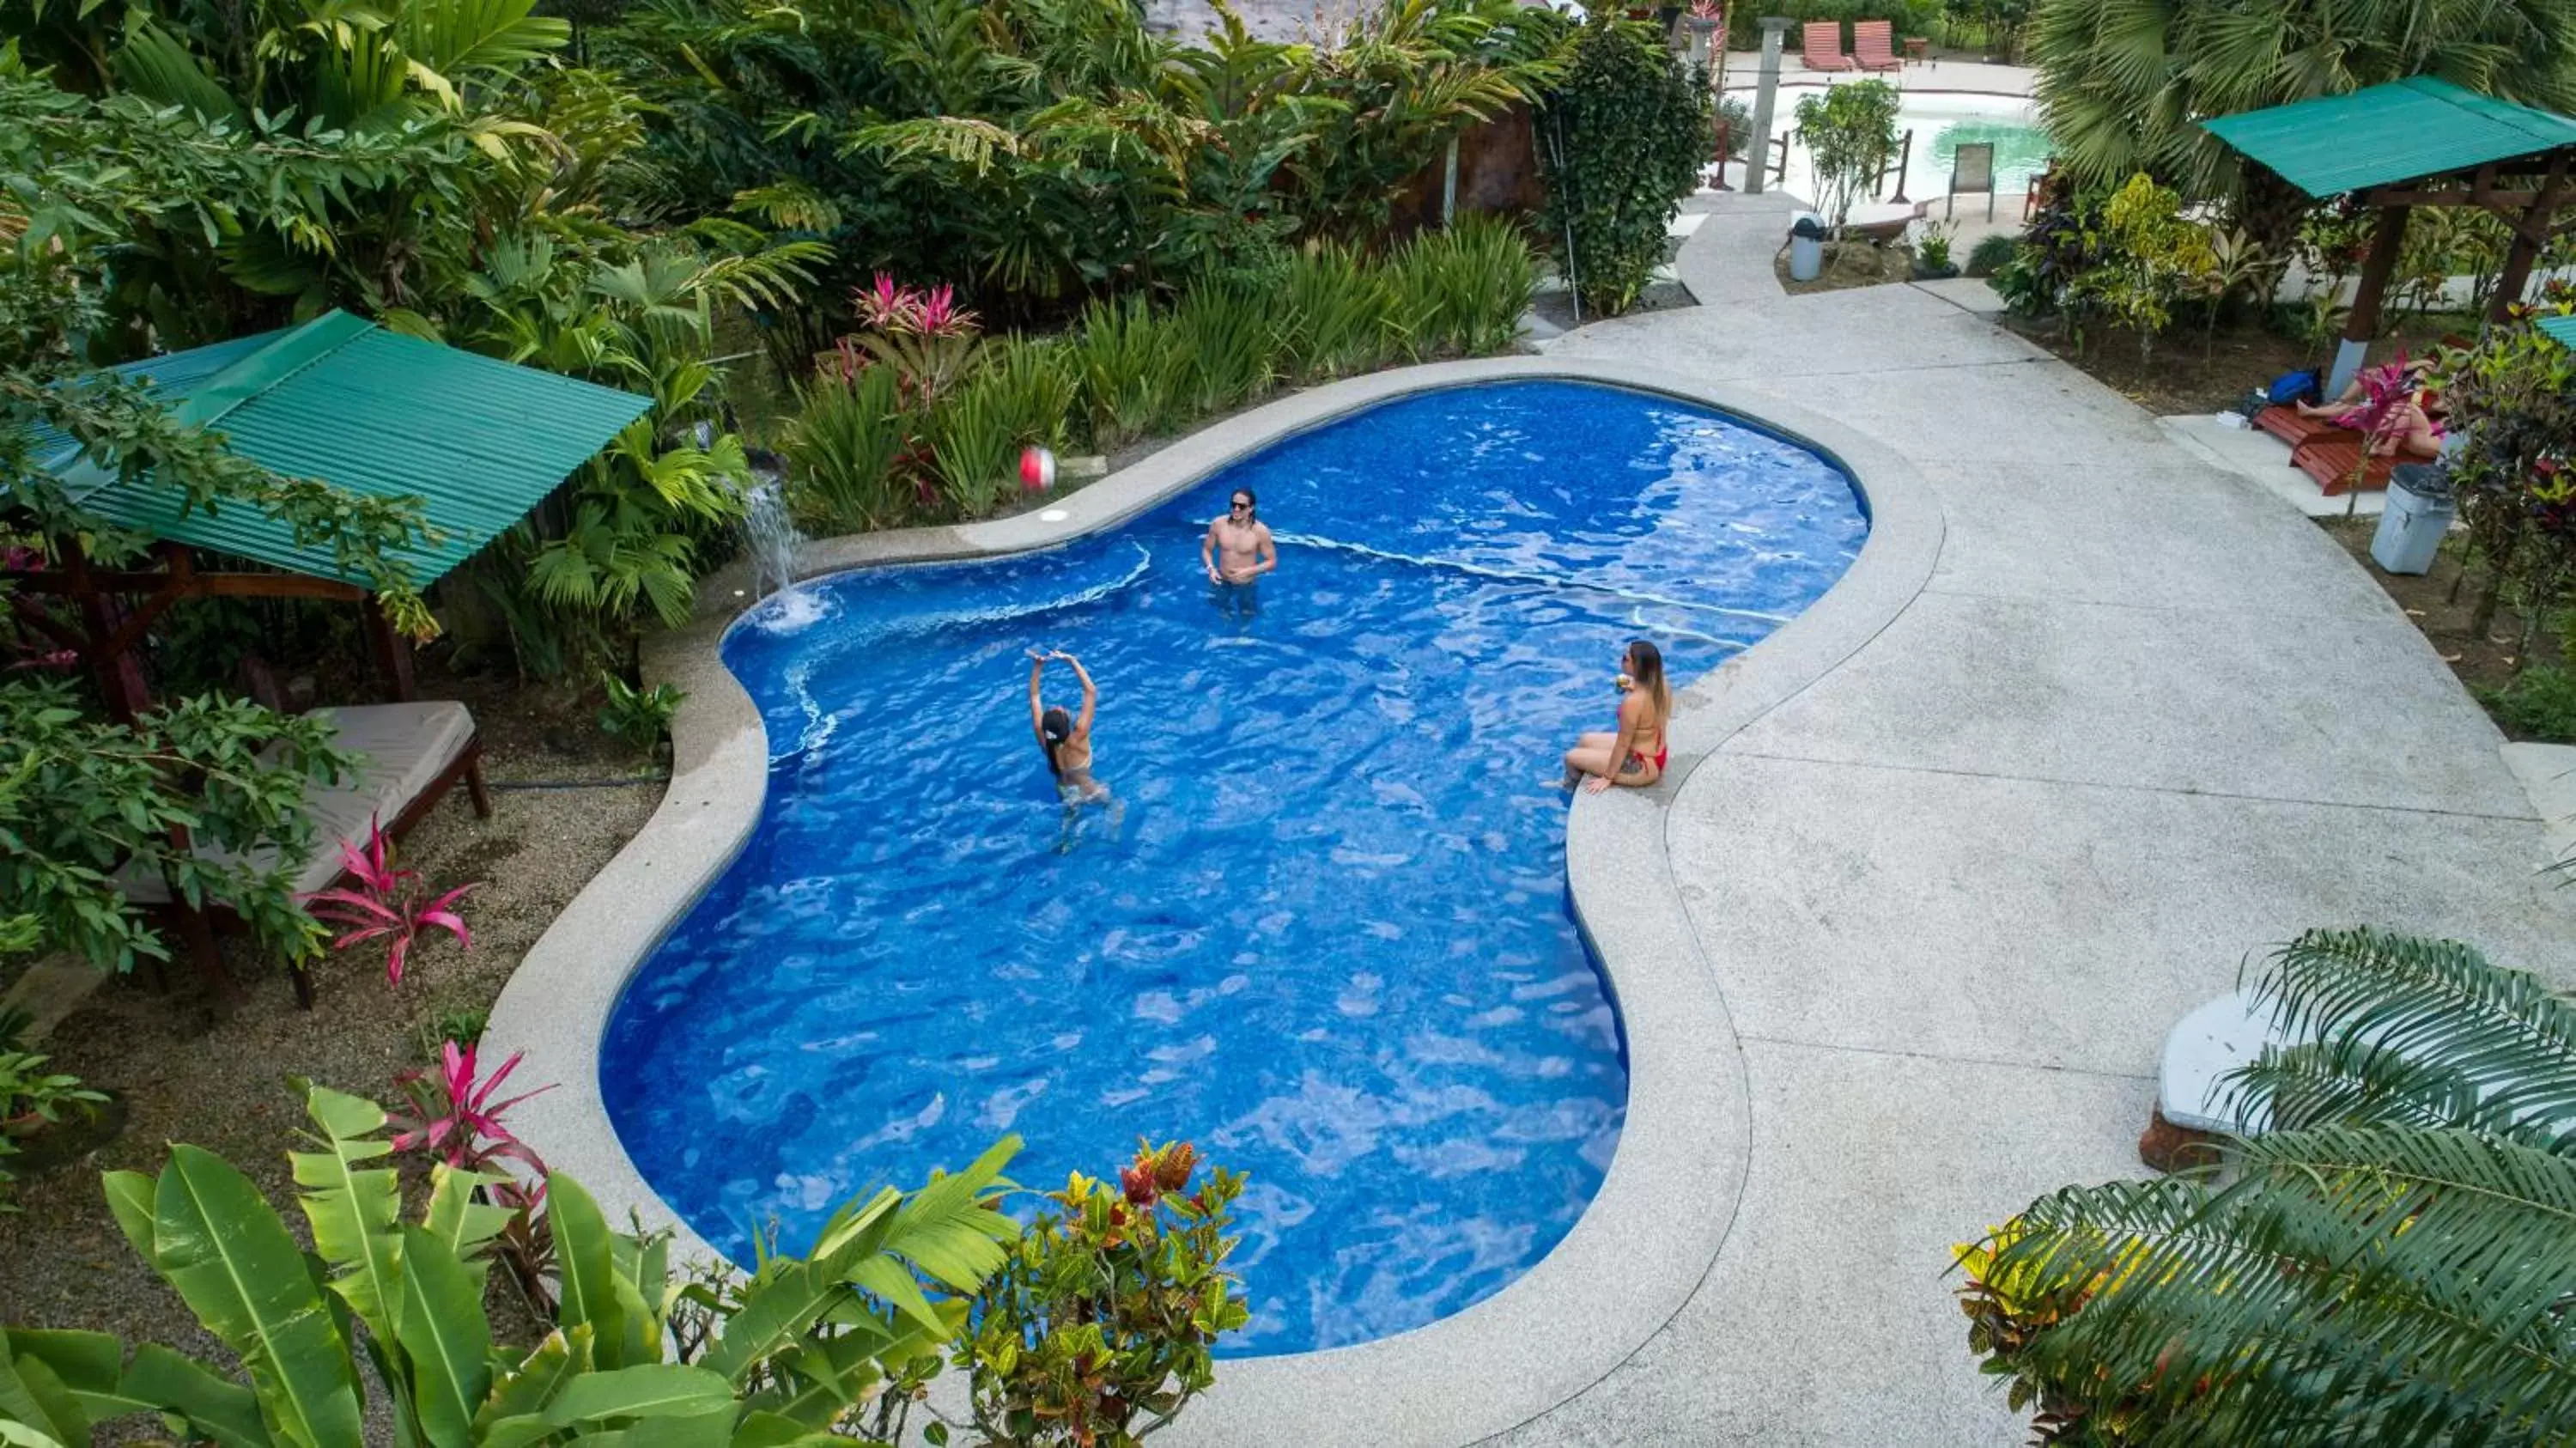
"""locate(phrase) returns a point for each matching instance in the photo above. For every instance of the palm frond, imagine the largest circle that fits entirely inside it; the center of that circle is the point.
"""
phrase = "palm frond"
(2393, 1287)
(2389, 1029)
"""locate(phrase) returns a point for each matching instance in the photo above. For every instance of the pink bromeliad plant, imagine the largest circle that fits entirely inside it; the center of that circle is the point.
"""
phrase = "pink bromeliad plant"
(921, 333)
(386, 904)
(920, 312)
(453, 1119)
(2387, 391)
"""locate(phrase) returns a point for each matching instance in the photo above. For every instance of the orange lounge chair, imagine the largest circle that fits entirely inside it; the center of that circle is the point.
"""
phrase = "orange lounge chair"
(1823, 49)
(1874, 45)
(2330, 460)
(2284, 422)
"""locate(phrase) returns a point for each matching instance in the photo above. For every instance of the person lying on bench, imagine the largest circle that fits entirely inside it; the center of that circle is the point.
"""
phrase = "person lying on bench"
(2356, 393)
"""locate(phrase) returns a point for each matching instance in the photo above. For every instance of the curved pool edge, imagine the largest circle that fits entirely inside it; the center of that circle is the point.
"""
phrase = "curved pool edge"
(1653, 1229)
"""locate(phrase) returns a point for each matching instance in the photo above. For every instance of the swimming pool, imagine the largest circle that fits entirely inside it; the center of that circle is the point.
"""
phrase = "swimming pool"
(1940, 123)
(1327, 940)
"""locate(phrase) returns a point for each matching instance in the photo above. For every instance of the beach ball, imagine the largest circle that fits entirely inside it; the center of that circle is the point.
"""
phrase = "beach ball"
(1037, 469)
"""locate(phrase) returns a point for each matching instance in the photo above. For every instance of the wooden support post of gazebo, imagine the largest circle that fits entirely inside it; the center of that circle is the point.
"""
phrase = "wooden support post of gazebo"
(2387, 239)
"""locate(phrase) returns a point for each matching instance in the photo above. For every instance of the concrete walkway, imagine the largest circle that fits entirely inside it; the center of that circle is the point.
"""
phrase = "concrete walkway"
(2143, 721)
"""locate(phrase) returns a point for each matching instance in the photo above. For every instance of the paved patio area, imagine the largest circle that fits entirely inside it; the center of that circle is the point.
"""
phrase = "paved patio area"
(2143, 720)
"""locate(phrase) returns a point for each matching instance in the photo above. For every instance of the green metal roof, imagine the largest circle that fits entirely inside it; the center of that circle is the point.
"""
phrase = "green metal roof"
(2562, 330)
(340, 399)
(2414, 127)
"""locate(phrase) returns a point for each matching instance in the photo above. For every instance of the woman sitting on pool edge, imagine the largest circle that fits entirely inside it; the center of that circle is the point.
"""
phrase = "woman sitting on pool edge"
(1635, 755)
(1065, 738)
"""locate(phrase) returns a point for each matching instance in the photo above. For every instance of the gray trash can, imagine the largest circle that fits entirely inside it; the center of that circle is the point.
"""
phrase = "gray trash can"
(1806, 247)
(2419, 513)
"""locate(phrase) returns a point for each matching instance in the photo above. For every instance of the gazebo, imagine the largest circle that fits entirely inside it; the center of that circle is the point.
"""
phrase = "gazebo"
(478, 441)
(2417, 142)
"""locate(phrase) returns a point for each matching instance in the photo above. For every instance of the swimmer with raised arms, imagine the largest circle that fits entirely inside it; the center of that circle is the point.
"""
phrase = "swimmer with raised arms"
(1064, 736)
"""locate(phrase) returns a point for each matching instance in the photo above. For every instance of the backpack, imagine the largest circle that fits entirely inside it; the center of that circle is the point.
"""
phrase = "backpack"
(2289, 387)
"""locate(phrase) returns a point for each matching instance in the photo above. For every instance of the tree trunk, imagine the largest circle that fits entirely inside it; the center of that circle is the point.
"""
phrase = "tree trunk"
(2488, 598)
(2269, 208)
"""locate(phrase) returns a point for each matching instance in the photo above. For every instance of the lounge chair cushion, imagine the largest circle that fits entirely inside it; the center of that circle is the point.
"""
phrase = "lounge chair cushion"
(406, 748)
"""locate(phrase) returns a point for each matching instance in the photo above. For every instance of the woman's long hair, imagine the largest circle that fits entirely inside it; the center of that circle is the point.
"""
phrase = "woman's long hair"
(1646, 666)
(1055, 726)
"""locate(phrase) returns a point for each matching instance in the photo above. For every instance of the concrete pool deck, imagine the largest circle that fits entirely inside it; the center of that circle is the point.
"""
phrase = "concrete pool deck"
(2142, 720)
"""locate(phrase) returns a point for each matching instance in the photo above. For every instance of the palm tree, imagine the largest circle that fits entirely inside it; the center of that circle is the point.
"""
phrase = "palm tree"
(2124, 84)
(2390, 1259)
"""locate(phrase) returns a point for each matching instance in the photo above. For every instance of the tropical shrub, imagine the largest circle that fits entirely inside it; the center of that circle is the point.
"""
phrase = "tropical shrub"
(2061, 241)
(849, 432)
(1124, 358)
(1850, 132)
(1098, 1327)
(1621, 140)
(802, 1348)
(2237, 263)
(81, 800)
(387, 903)
(1034, 380)
(2380, 1258)
(1465, 289)
(2146, 258)
(638, 716)
(2123, 89)
(2000, 22)
(2537, 703)
(1990, 255)
(31, 1098)
(1044, 154)
(918, 410)
(970, 436)
(1336, 315)
(1228, 348)
(2512, 400)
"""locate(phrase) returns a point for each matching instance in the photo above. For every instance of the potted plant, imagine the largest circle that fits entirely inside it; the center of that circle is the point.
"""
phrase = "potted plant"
(1932, 253)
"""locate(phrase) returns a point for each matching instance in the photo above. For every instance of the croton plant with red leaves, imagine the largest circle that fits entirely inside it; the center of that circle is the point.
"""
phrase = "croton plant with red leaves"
(1100, 1327)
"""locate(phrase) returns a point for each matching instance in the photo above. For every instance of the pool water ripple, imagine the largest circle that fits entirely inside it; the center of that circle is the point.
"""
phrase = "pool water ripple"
(1325, 936)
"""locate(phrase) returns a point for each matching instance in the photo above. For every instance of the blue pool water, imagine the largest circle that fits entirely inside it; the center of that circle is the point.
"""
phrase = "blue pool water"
(1327, 940)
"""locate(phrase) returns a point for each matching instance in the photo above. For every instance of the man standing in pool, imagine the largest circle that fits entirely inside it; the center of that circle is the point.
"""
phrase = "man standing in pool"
(1236, 552)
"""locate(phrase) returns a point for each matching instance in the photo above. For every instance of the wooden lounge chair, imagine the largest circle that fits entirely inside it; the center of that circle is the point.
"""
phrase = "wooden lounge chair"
(1823, 49)
(412, 755)
(1874, 45)
(2331, 459)
(2037, 188)
(2286, 423)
